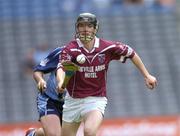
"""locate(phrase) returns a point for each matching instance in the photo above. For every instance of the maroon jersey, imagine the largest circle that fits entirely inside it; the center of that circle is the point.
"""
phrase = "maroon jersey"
(90, 80)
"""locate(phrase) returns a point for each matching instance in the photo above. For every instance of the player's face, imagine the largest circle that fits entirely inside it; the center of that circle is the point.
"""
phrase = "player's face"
(86, 31)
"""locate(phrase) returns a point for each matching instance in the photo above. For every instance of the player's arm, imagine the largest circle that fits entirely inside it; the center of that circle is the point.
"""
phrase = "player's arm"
(60, 73)
(65, 70)
(150, 80)
(39, 78)
(60, 76)
(124, 52)
(46, 65)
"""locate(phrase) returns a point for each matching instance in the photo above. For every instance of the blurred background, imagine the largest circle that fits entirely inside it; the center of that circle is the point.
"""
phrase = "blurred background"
(29, 29)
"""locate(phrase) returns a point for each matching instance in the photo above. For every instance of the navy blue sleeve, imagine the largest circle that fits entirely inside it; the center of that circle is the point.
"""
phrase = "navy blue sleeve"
(49, 63)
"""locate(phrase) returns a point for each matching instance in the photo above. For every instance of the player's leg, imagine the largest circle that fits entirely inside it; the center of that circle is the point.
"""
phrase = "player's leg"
(39, 132)
(71, 116)
(69, 129)
(92, 114)
(51, 125)
(50, 115)
(92, 122)
(80, 131)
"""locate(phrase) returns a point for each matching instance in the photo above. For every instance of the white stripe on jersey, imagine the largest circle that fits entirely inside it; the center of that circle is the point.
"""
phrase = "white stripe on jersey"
(75, 50)
(44, 62)
(105, 49)
(57, 53)
(130, 50)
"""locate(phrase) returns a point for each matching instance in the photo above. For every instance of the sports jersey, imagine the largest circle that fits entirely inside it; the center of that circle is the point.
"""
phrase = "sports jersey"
(90, 79)
(49, 65)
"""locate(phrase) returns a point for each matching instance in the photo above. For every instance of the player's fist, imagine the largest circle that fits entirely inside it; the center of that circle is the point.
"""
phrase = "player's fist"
(151, 82)
(41, 85)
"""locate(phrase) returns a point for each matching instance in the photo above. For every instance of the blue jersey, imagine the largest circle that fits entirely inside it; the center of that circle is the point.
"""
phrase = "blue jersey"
(49, 65)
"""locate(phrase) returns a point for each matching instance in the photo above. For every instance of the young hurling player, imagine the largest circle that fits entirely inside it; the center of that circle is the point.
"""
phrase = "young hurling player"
(86, 98)
(49, 100)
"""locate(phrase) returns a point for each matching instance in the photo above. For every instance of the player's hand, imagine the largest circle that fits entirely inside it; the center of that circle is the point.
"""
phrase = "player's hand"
(151, 82)
(70, 66)
(60, 89)
(61, 96)
(41, 85)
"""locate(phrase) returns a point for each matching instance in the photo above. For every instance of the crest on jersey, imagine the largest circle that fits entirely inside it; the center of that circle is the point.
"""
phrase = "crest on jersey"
(101, 58)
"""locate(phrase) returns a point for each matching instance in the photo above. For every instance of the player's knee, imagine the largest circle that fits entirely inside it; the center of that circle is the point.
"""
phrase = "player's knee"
(53, 133)
(40, 132)
(89, 131)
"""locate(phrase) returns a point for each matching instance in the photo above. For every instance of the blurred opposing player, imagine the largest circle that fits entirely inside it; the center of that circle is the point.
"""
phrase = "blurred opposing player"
(86, 99)
(49, 100)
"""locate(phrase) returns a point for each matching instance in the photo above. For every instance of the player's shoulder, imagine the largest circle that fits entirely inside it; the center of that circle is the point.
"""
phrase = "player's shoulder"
(71, 44)
(106, 43)
(109, 42)
(56, 51)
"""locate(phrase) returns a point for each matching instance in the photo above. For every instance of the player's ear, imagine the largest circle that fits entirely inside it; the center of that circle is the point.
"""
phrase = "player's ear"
(95, 31)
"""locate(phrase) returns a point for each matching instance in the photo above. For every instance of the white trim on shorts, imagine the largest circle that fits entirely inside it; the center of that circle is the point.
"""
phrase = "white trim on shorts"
(75, 108)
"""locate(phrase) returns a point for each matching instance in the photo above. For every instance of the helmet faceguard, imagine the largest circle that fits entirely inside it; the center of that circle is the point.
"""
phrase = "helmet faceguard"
(89, 18)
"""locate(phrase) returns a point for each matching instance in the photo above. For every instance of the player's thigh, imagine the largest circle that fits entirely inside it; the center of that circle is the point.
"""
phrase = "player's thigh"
(50, 114)
(92, 121)
(92, 113)
(80, 131)
(72, 109)
(51, 125)
(40, 132)
(69, 129)
(46, 105)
